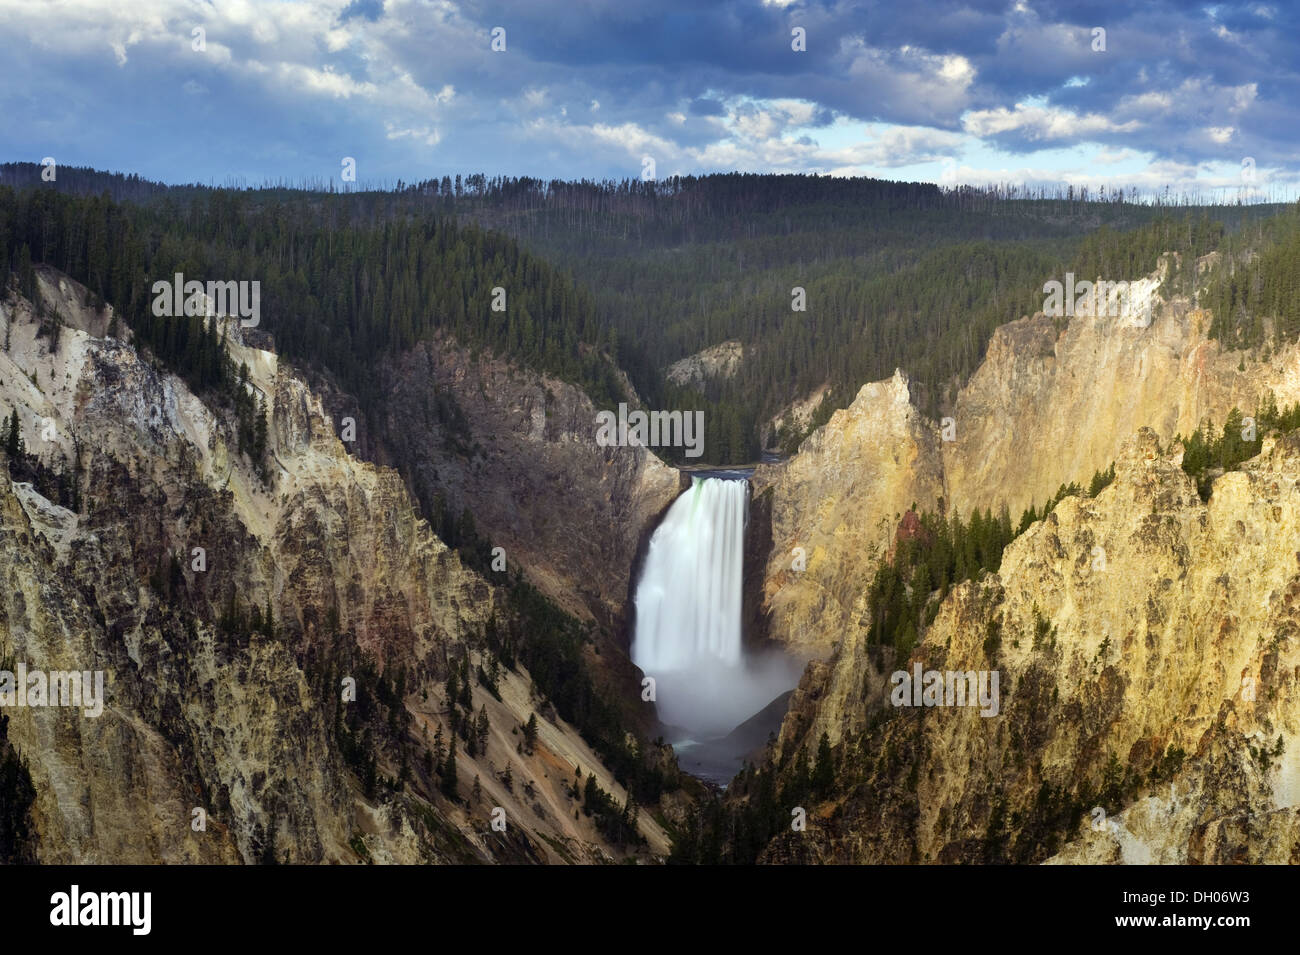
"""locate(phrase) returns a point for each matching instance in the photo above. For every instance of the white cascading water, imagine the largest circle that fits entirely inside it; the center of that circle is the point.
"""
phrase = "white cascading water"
(708, 690)
(688, 599)
(688, 624)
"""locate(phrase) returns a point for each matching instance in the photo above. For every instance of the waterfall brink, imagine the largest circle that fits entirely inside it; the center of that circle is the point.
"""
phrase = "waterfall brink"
(688, 600)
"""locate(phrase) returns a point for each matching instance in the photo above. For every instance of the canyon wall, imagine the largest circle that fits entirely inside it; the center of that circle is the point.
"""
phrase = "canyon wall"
(1147, 697)
(525, 461)
(1052, 403)
(174, 525)
(1147, 706)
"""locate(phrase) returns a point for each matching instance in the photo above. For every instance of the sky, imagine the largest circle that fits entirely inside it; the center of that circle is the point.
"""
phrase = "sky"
(1194, 97)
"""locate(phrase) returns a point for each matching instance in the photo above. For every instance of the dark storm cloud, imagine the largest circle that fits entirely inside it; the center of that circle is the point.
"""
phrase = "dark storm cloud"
(886, 62)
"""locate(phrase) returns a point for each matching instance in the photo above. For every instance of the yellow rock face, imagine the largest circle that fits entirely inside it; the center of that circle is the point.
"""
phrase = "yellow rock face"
(1185, 638)
(834, 508)
(1048, 406)
(1143, 623)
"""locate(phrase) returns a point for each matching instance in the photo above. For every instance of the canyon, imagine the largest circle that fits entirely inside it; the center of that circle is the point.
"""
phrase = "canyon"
(1144, 701)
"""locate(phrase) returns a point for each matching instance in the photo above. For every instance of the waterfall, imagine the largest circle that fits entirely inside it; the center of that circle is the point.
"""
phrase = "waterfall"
(713, 698)
(688, 610)
(688, 600)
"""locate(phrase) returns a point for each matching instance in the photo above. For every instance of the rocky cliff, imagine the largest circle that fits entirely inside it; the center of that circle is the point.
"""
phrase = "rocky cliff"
(833, 508)
(519, 450)
(221, 742)
(1143, 638)
(1052, 403)
(1147, 709)
(719, 361)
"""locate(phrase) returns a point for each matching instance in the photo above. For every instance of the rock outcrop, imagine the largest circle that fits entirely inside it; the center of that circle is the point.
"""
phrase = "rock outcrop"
(1052, 403)
(1145, 640)
(719, 361)
(833, 509)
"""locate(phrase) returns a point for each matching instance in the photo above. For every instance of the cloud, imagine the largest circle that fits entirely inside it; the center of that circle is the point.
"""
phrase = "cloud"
(584, 88)
(1033, 124)
(705, 106)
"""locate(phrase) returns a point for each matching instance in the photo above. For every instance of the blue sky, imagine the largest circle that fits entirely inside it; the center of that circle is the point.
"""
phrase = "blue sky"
(1192, 96)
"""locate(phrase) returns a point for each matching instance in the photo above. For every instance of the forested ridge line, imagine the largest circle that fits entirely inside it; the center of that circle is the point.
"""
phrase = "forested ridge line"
(640, 274)
(336, 295)
(892, 275)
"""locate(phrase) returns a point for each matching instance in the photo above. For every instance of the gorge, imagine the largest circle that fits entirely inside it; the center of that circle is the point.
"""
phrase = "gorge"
(633, 655)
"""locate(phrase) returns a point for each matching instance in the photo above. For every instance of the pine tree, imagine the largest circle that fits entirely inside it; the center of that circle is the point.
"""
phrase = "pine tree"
(530, 733)
(823, 777)
(631, 812)
(449, 774)
(466, 690)
(453, 687)
(175, 578)
(259, 437)
(481, 728)
(371, 781)
(798, 785)
(268, 844)
(26, 274)
(14, 438)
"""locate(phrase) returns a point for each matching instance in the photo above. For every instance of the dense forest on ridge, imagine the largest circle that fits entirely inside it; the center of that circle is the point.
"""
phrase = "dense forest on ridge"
(636, 275)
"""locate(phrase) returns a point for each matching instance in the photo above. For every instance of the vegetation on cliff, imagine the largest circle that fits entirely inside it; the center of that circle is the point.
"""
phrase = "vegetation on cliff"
(1254, 291)
(338, 293)
(932, 553)
(1206, 454)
